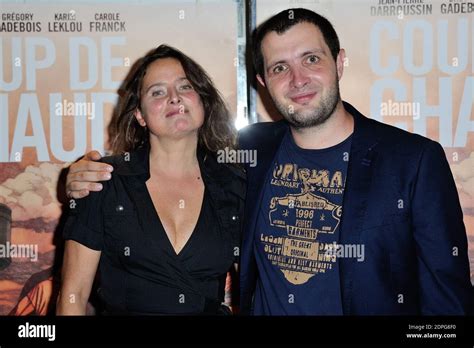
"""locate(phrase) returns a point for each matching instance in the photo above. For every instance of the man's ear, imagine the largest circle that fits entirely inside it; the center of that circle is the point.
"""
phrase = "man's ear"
(261, 80)
(139, 117)
(341, 57)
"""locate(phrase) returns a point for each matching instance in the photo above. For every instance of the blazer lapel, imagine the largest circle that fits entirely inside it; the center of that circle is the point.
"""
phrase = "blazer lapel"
(359, 174)
(266, 147)
(266, 151)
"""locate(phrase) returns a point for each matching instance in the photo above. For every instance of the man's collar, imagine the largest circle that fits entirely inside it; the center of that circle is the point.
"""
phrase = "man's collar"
(364, 135)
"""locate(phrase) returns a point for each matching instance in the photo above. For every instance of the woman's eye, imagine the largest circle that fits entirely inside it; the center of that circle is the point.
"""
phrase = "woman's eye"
(157, 93)
(187, 87)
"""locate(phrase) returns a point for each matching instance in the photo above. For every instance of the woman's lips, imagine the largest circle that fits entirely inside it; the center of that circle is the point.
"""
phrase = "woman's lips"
(175, 112)
(303, 98)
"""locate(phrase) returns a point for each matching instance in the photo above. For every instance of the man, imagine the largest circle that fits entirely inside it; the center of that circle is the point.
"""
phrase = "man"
(344, 215)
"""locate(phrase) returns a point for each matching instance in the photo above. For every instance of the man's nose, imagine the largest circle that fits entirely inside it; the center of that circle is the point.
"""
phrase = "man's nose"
(299, 78)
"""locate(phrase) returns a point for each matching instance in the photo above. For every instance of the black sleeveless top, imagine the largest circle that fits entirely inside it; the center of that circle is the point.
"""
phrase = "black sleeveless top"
(140, 272)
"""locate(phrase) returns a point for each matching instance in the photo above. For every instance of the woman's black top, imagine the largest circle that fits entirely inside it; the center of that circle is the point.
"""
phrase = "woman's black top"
(140, 272)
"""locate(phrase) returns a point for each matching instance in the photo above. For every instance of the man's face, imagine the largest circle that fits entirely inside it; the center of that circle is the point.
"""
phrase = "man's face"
(301, 75)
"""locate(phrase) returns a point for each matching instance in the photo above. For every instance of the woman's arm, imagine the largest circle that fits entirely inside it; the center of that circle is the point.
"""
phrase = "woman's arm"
(79, 268)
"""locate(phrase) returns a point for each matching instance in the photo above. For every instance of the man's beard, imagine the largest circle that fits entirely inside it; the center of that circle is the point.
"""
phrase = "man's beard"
(315, 117)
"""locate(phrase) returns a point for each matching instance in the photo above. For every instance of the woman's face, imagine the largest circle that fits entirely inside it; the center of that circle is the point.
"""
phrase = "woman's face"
(170, 107)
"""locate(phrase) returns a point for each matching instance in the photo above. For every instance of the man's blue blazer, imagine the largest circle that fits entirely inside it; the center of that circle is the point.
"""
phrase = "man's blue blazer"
(416, 260)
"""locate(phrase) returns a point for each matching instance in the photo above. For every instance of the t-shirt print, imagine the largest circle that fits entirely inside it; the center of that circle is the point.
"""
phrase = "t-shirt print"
(312, 209)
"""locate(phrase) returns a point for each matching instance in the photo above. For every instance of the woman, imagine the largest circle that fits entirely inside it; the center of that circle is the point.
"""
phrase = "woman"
(164, 231)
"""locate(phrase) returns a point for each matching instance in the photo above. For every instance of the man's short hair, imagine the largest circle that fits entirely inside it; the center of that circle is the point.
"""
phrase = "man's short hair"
(283, 21)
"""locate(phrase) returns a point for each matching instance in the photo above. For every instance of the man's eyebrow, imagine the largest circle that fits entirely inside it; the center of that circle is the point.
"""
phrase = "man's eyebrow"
(158, 84)
(315, 50)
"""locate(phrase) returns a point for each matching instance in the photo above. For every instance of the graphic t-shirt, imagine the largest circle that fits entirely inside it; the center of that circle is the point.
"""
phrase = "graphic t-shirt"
(297, 226)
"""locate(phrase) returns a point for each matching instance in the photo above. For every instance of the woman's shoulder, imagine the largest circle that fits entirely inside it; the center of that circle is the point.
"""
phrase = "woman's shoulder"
(221, 168)
(111, 159)
(129, 162)
(228, 176)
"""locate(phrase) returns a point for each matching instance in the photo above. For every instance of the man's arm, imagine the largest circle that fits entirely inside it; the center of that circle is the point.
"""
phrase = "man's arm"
(85, 174)
(440, 235)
